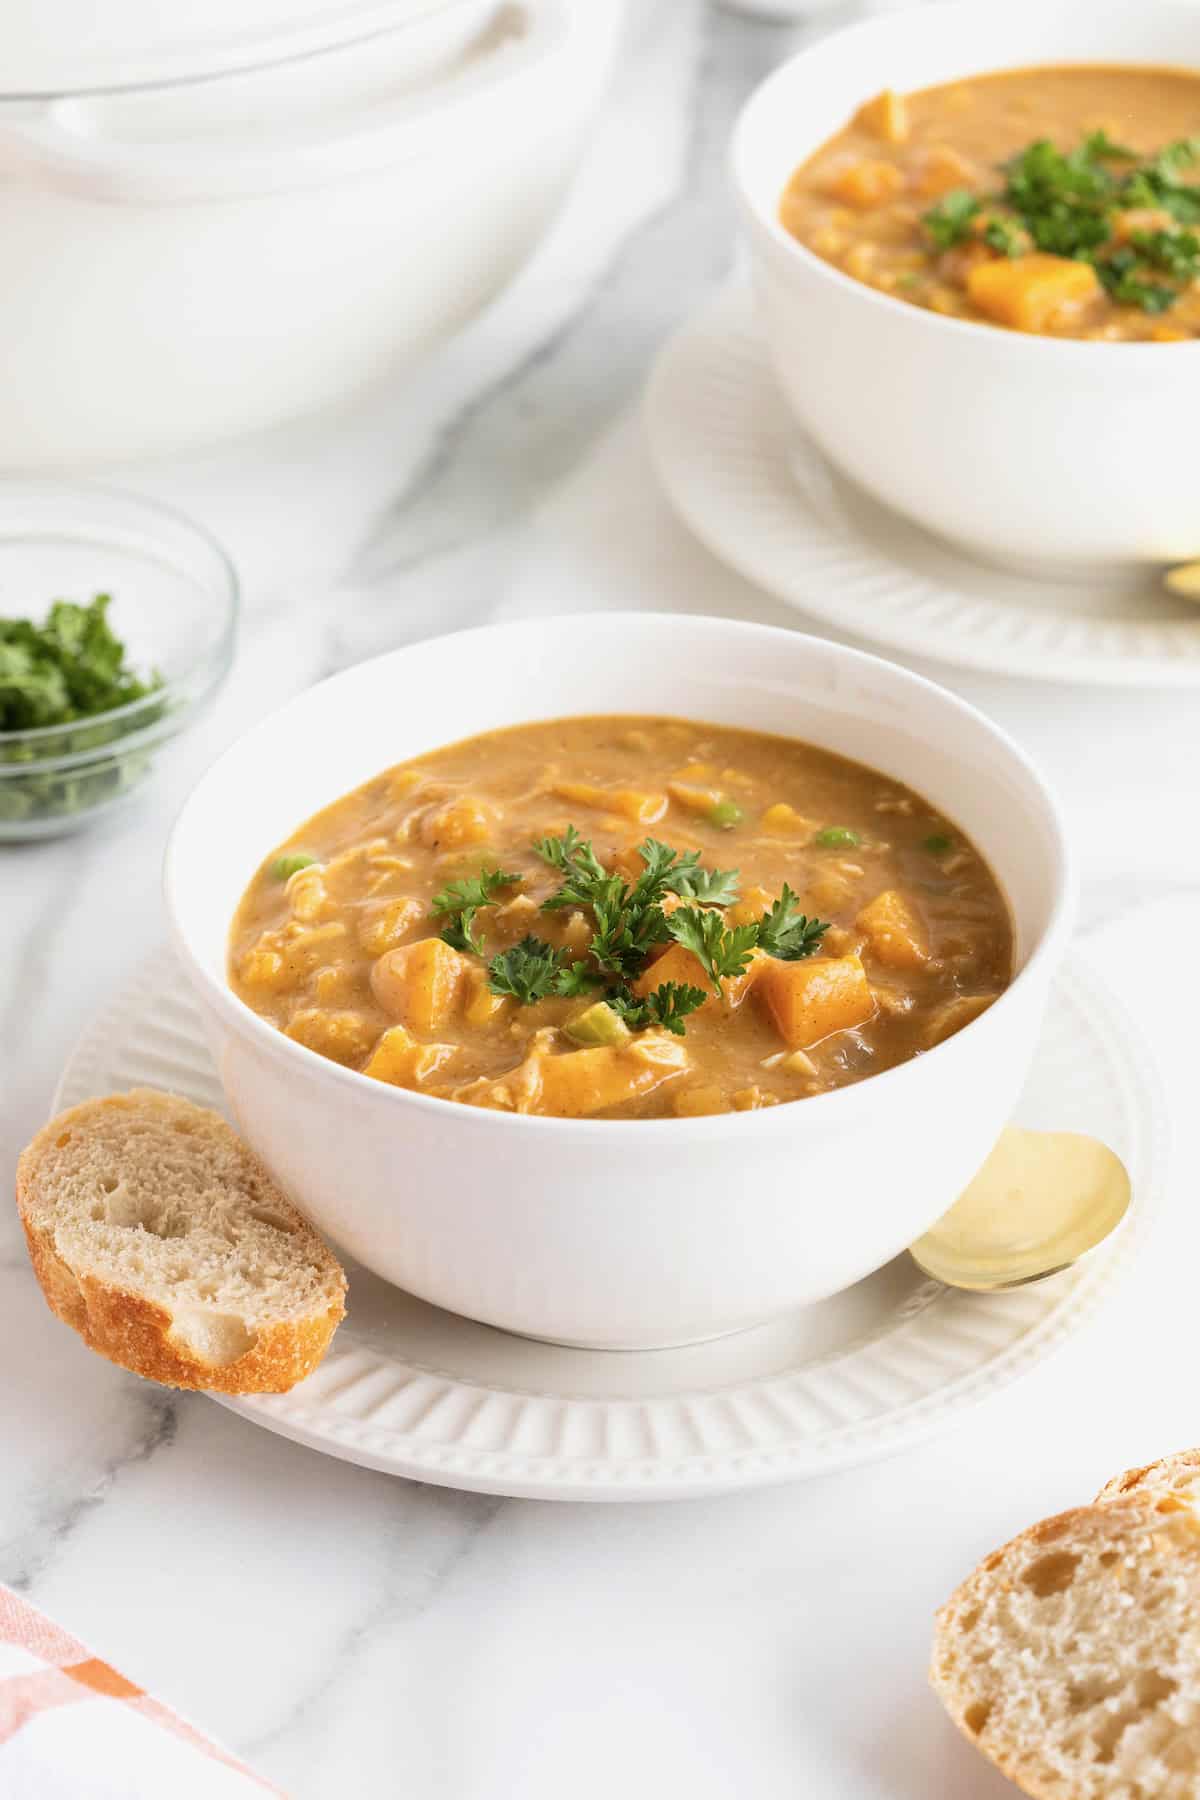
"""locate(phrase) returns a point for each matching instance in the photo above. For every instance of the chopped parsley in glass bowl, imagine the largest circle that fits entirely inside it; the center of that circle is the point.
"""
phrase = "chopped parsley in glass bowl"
(117, 621)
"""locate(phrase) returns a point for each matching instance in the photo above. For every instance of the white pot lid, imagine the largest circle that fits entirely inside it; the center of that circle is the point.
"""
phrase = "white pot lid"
(52, 47)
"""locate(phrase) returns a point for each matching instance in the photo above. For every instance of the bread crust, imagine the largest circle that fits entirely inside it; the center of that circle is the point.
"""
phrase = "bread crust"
(1161, 1476)
(1127, 1512)
(134, 1331)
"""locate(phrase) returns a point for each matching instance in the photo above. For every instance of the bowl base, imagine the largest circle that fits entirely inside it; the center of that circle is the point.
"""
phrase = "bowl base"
(640, 1348)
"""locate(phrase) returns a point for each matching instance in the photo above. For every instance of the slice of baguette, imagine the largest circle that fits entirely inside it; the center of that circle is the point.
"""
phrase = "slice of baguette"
(1177, 1476)
(164, 1242)
(1071, 1657)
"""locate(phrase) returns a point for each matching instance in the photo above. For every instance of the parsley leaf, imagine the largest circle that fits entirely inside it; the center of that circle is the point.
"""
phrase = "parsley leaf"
(576, 978)
(667, 1006)
(530, 971)
(723, 952)
(787, 933)
(1003, 236)
(629, 920)
(1123, 274)
(70, 670)
(949, 222)
(1070, 203)
(464, 899)
(575, 859)
(713, 887)
(70, 667)
(1099, 147)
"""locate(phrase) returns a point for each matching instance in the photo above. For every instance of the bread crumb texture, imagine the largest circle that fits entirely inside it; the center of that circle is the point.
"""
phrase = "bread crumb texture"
(165, 1243)
(1072, 1656)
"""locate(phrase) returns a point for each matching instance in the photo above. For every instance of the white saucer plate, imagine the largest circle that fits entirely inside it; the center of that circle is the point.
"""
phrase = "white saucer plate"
(417, 1392)
(762, 498)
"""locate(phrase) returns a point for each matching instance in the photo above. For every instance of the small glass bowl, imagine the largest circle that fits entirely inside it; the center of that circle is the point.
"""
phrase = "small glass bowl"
(174, 606)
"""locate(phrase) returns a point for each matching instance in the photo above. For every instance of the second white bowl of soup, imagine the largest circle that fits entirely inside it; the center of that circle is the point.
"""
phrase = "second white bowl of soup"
(554, 989)
(1018, 379)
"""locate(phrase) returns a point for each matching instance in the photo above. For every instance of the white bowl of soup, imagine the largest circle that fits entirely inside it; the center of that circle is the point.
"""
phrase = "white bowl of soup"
(547, 1112)
(1017, 379)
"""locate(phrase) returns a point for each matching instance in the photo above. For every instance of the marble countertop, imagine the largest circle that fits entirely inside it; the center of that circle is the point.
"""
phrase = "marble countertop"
(348, 1633)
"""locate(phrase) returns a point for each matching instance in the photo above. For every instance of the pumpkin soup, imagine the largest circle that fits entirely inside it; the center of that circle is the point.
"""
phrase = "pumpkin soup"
(1060, 201)
(623, 918)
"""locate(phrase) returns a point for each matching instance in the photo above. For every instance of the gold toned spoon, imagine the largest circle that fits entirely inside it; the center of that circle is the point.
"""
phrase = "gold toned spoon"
(1041, 1201)
(1184, 581)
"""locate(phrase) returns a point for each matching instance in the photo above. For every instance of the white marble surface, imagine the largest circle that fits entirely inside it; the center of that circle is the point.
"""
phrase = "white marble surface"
(355, 1635)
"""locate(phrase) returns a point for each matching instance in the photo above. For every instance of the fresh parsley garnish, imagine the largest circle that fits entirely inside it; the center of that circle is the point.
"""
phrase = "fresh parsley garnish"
(723, 951)
(1002, 236)
(576, 978)
(950, 221)
(712, 887)
(788, 933)
(667, 1006)
(464, 899)
(70, 667)
(1069, 203)
(69, 671)
(530, 971)
(629, 921)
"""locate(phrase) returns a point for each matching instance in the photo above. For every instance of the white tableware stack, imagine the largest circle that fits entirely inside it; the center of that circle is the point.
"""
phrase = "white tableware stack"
(220, 218)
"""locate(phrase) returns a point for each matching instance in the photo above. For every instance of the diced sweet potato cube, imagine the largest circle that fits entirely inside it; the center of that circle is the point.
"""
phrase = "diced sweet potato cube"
(383, 926)
(941, 169)
(343, 1036)
(399, 1059)
(809, 1000)
(466, 820)
(420, 984)
(868, 183)
(675, 964)
(335, 984)
(626, 862)
(1025, 292)
(782, 820)
(268, 968)
(483, 1007)
(886, 115)
(894, 932)
(755, 901)
(638, 804)
(285, 957)
(695, 798)
(680, 965)
(582, 1082)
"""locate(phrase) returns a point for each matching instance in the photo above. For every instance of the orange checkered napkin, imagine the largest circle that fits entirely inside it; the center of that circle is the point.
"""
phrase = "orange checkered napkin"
(70, 1726)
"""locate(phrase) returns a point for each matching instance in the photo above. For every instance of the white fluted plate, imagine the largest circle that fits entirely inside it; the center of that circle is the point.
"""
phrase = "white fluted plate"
(761, 497)
(414, 1391)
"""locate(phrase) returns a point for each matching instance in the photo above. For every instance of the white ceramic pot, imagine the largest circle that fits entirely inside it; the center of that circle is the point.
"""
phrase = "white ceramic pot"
(1026, 450)
(620, 1233)
(206, 257)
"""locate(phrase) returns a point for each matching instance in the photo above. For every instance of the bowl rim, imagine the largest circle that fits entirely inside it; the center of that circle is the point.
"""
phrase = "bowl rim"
(245, 1022)
(762, 220)
(222, 585)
